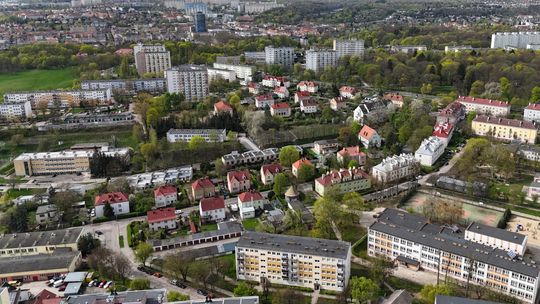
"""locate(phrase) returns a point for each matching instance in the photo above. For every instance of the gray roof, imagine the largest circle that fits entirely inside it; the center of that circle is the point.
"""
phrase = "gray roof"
(73, 288)
(416, 229)
(296, 244)
(400, 296)
(195, 131)
(502, 234)
(235, 300)
(57, 260)
(150, 296)
(46, 209)
(223, 228)
(42, 238)
(440, 299)
(78, 276)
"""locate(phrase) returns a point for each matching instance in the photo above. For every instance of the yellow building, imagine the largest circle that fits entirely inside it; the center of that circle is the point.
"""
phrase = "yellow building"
(42, 242)
(38, 267)
(505, 129)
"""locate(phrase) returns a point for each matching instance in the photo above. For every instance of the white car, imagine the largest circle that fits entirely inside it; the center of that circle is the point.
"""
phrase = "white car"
(93, 212)
(178, 212)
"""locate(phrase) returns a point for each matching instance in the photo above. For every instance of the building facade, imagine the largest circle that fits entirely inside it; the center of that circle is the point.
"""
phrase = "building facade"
(161, 219)
(249, 202)
(349, 47)
(505, 129)
(351, 180)
(190, 80)
(429, 151)
(15, 110)
(514, 40)
(238, 181)
(151, 58)
(484, 106)
(282, 56)
(212, 209)
(42, 242)
(532, 112)
(281, 109)
(293, 261)
(185, 135)
(244, 72)
(165, 196)
(318, 60)
(117, 200)
(395, 168)
(269, 172)
(203, 187)
(60, 99)
(200, 22)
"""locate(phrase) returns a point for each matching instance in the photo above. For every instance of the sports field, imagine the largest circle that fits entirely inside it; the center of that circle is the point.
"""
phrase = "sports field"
(37, 80)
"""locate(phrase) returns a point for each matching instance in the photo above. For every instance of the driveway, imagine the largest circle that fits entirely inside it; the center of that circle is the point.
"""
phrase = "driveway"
(443, 169)
(248, 143)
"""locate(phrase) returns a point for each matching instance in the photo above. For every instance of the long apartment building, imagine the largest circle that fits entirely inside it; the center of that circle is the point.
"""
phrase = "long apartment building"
(505, 129)
(473, 256)
(244, 72)
(250, 157)
(15, 110)
(153, 85)
(294, 261)
(190, 80)
(515, 40)
(395, 168)
(319, 59)
(62, 99)
(484, 106)
(62, 162)
(151, 58)
(349, 47)
(42, 242)
(185, 135)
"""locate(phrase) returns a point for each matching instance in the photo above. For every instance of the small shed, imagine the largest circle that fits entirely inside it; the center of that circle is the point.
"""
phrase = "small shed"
(75, 277)
(73, 289)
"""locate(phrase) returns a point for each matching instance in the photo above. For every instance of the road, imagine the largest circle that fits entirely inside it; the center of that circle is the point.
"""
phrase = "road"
(443, 169)
(248, 143)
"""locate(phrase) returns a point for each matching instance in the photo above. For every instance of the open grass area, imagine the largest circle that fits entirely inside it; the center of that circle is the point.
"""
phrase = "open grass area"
(250, 224)
(352, 233)
(37, 80)
(208, 227)
(399, 283)
(14, 193)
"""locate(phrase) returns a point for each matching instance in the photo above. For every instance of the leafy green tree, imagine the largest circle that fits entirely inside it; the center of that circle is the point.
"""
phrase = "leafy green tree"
(196, 143)
(288, 155)
(429, 292)
(363, 289)
(535, 94)
(306, 173)
(280, 182)
(178, 265)
(139, 284)
(18, 219)
(505, 88)
(143, 252)
(173, 296)
(380, 270)
(108, 210)
(244, 290)
(353, 164)
(87, 243)
(426, 88)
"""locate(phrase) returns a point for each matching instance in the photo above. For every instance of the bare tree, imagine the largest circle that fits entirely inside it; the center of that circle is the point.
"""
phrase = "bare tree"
(178, 265)
(122, 266)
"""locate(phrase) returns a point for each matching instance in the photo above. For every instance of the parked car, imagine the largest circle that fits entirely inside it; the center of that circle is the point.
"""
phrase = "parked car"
(58, 283)
(202, 292)
(102, 284)
(157, 274)
(108, 284)
(62, 288)
(178, 284)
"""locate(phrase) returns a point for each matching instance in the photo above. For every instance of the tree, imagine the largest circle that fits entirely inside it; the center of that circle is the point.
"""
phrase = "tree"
(288, 155)
(429, 292)
(122, 266)
(173, 296)
(178, 265)
(505, 88)
(306, 173)
(535, 94)
(280, 182)
(354, 201)
(426, 89)
(119, 184)
(143, 252)
(380, 270)
(64, 203)
(363, 289)
(244, 290)
(17, 139)
(196, 143)
(139, 284)
(18, 219)
(87, 243)
(108, 211)
(202, 273)
(220, 167)
(477, 88)
(286, 296)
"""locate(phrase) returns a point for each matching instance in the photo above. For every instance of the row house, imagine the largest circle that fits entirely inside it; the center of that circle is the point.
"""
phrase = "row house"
(250, 157)
(344, 180)
(307, 86)
(272, 82)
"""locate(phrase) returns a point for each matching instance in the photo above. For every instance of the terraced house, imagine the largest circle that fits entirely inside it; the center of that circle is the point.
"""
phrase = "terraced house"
(345, 180)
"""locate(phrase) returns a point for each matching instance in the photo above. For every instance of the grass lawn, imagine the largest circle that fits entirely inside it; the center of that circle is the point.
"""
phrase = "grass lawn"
(37, 80)
(208, 227)
(399, 283)
(352, 233)
(250, 224)
(14, 193)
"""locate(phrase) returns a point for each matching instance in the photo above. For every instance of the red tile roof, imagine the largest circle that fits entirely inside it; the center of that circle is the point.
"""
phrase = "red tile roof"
(212, 203)
(452, 109)
(443, 129)
(123, 52)
(280, 89)
(264, 97)
(238, 175)
(250, 196)
(202, 183)
(165, 191)
(505, 122)
(306, 84)
(534, 106)
(351, 151)
(367, 132)
(394, 97)
(280, 105)
(111, 198)
(222, 106)
(161, 215)
(301, 94)
(490, 102)
(301, 162)
(272, 168)
(346, 89)
(46, 297)
(308, 103)
(338, 176)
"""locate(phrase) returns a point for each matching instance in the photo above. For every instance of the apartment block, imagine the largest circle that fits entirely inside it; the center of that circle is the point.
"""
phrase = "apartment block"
(161, 219)
(190, 80)
(292, 260)
(516, 40)
(318, 60)
(484, 106)
(215, 74)
(185, 135)
(349, 47)
(151, 58)
(250, 157)
(244, 72)
(429, 151)
(394, 168)
(63, 162)
(408, 49)
(345, 180)
(42, 242)
(464, 255)
(283, 56)
(505, 129)
(152, 85)
(275, 81)
(15, 110)
(531, 112)
(60, 99)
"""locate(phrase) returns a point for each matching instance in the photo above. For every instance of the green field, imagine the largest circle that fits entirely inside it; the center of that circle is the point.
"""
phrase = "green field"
(37, 80)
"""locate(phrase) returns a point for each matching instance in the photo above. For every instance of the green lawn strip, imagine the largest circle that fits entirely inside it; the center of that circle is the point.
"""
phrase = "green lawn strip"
(121, 241)
(250, 224)
(34, 80)
(209, 227)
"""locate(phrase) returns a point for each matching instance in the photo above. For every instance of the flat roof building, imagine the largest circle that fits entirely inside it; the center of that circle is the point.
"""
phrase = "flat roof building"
(32, 243)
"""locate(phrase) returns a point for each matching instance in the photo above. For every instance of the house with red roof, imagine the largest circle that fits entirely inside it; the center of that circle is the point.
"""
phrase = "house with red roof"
(272, 81)
(453, 113)
(444, 132)
(345, 181)
(301, 95)
(249, 202)
(484, 106)
(212, 209)
(281, 92)
(307, 86)
(222, 107)
(532, 112)
(47, 297)
(238, 181)
(161, 219)
(254, 88)
(297, 164)
(124, 52)
(203, 187)
(309, 106)
(263, 101)
(396, 98)
(369, 137)
(165, 196)
(347, 92)
(117, 200)
(281, 109)
(345, 155)
(337, 103)
(268, 172)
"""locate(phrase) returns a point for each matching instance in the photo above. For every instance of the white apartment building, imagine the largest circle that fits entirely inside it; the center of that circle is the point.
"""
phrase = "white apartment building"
(278, 81)
(212, 209)
(185, 135)
(457, 48)
(484, 106)
(192, 81)
(532, 112)
(412, 240)
(308, 106)
(293, 260)
(214, 74)
(349, 47)
(165, 195)
(283, 56)
(153, 85)
(394, 168)
(244, 72)
(161, 219)
(117, 200)
(497, 238)
(318, 60)
(429, 151)
(264, 101)
(514, 40)
(151, 58)
(62, 99)
(408, 49)
(15, 110)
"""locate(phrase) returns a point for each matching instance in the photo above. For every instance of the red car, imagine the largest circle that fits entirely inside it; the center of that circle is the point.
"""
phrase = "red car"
(62, 288)
(157, 274)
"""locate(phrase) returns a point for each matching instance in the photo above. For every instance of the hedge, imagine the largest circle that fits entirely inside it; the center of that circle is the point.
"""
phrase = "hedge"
(129, 235)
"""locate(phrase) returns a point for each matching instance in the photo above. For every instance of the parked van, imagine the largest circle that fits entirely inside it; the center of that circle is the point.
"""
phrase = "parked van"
(58, 283)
